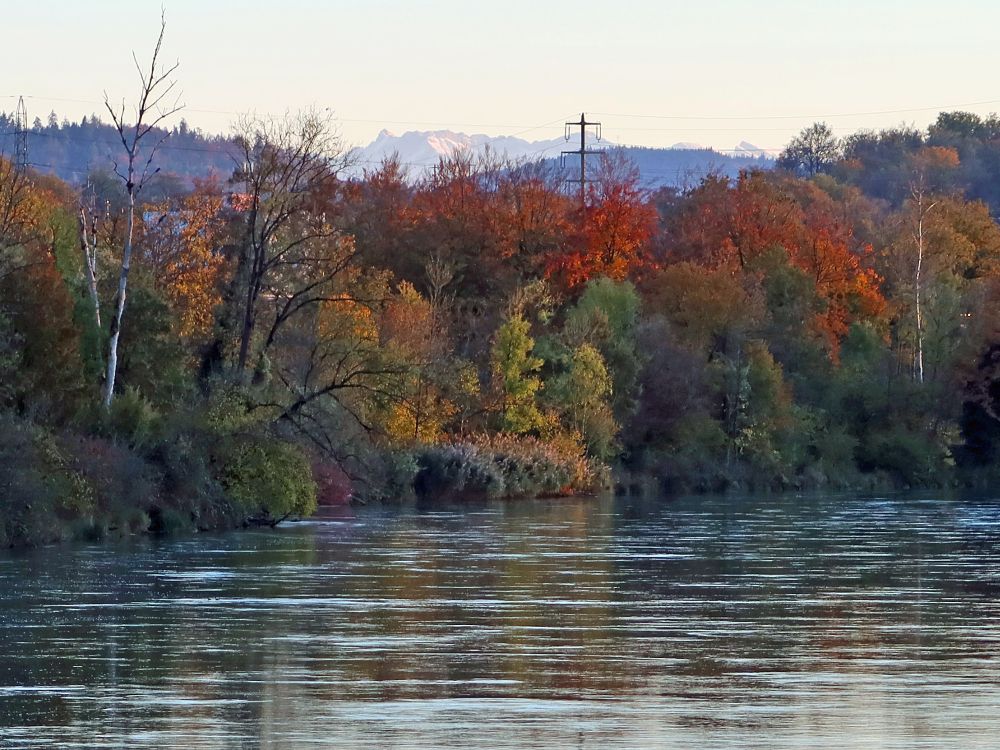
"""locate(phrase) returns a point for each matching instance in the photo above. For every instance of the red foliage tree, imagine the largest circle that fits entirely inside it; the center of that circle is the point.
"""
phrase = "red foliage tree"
(616, 227)
(728, 224)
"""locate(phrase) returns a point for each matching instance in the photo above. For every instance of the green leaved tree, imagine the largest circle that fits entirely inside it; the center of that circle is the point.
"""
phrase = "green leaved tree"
(515, 383)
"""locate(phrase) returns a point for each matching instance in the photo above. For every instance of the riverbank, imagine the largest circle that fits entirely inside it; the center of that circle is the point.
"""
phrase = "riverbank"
(135, 472)
(66, 487)
(219, 464)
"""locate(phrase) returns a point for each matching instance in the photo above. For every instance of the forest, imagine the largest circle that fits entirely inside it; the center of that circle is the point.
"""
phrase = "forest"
(72, 150)
(178, 356)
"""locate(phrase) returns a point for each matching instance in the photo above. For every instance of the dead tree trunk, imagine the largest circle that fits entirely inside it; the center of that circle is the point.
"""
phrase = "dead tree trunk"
(149, 112)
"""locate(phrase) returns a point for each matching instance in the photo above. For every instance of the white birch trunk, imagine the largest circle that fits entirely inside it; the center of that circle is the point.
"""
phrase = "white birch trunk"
(88, 244)
(116, 322)
(920, 264)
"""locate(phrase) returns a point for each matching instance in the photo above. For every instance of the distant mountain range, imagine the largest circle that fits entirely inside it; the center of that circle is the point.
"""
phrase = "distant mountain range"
(420, 150)
(73, 150)
(677, 166)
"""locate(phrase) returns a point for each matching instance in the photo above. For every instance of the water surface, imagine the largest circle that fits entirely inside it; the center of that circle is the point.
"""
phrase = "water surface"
(815, 622)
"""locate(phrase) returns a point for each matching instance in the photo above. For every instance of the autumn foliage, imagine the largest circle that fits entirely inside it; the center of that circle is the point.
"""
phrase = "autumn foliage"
(181, 243)
(730, 224)
(614, 230)
(484, 328)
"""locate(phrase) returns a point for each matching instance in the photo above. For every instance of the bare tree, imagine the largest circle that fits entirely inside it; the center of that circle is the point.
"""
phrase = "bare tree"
(155, 103)
(16, 215)
(812, 151)
(292, 249)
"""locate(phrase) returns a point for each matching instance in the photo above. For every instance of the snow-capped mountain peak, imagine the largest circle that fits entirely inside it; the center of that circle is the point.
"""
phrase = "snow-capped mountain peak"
(745, 148)
(419, 151)
(422, 149)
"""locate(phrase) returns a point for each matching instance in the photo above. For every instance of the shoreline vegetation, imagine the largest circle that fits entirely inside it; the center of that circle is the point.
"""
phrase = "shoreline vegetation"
(180, 354)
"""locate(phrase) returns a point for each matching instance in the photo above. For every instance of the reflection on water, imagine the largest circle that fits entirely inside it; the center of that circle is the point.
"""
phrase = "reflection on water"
(703, 623)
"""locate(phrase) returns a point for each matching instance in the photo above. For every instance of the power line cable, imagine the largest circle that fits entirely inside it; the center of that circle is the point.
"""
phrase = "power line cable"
(872, 113)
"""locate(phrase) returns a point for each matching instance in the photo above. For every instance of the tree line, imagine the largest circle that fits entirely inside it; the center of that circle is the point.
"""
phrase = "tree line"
(242, 349)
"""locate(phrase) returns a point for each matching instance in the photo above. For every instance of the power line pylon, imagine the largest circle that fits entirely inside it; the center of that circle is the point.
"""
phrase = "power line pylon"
(21, 137)
(582, 152)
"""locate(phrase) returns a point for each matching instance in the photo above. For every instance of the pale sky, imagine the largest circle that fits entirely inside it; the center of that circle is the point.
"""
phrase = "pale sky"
(655, 72)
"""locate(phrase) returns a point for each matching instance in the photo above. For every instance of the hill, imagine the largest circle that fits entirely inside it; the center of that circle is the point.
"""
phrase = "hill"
(73, 150)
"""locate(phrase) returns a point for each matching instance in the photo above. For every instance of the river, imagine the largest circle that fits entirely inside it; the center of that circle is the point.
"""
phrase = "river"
(788, 622)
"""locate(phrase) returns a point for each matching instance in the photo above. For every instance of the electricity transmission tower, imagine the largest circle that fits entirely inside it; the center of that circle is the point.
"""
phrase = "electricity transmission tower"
(21, 137)
(582, 152)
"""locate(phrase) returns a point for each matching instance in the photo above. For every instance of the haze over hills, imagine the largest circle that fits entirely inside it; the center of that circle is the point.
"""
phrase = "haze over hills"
(73, 150)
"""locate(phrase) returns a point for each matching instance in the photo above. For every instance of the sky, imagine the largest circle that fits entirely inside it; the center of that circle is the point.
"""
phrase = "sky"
(654, 72)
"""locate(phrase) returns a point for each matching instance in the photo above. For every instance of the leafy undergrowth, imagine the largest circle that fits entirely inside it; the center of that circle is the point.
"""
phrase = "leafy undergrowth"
(145, 474)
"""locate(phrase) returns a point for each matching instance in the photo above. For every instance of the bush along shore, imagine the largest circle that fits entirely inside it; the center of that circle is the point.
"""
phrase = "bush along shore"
(172, 477)
(137, 473)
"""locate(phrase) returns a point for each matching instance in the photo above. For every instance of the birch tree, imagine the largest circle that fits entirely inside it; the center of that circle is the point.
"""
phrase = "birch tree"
(927, 167)
(88, 221)
(923, 207)
(140, 141)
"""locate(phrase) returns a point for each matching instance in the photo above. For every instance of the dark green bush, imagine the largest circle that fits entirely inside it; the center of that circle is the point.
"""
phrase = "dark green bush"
(168, 521)
(915, 458)
(37, 491)
(131, 421)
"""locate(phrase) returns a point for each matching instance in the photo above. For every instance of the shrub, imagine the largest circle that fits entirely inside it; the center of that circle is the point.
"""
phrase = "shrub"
(71, 490)
(231, 409)
(267, 479)
(914, 457)
(131, 421)
(835, 448)
(394, 477)
(333, 486)
(118, 476)
(34, 485)
(506, 466)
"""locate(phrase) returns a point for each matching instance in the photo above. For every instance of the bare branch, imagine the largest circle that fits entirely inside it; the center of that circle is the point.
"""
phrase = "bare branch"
(153, 92)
